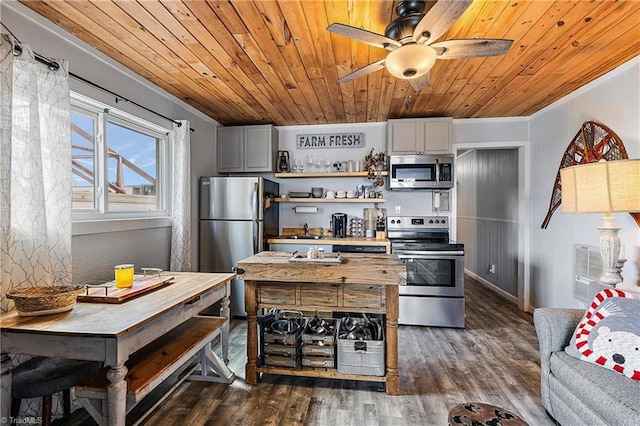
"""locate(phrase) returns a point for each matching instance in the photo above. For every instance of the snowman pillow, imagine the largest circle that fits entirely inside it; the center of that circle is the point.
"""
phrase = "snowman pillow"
(609, 332)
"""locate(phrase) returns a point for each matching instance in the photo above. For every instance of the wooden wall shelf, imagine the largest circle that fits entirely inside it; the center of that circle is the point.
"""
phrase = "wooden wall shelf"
(331, 200)
(325, 174)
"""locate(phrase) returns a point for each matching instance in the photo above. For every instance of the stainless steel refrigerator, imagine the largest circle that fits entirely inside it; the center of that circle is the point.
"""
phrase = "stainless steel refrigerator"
(237, 216)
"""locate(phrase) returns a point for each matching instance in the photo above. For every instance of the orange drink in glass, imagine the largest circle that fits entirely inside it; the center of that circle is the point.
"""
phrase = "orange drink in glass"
(124, 275)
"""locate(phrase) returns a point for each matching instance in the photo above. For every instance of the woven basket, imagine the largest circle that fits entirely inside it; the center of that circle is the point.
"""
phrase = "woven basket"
(31, 301)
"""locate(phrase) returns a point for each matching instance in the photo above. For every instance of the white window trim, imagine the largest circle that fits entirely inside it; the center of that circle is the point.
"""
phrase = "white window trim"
(101, 221)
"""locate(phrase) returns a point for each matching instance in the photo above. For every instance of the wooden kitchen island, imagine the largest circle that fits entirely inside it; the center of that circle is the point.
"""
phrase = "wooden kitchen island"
(361, 283)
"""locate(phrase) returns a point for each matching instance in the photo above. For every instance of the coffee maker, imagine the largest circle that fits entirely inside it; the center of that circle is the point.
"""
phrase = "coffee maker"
(339, 225)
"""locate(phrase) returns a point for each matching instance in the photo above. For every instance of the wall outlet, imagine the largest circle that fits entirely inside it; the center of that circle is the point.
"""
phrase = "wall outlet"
(492, 268)
(398, 209)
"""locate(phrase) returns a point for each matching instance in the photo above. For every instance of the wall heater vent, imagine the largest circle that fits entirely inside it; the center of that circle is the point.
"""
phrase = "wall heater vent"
(587, 267)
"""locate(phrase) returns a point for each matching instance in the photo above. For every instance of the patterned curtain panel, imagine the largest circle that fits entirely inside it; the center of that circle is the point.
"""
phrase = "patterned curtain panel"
(181, 199)
(35, 159)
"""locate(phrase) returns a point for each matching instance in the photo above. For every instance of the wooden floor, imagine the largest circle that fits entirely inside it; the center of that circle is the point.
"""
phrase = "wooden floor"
(493, 360)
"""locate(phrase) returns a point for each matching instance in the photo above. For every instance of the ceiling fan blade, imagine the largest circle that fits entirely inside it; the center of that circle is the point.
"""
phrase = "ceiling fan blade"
(374, 39)
(373, 67)
(439, 19)
(421, 82)
(472, 48)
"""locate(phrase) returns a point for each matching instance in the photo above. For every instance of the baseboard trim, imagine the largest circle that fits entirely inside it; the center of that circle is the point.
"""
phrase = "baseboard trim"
(492, 286)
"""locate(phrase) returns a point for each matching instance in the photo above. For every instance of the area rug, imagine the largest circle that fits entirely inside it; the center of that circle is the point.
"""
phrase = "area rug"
(480, 414)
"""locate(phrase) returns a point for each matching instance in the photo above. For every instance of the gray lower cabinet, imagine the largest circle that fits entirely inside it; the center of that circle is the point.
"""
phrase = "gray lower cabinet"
(249, 149)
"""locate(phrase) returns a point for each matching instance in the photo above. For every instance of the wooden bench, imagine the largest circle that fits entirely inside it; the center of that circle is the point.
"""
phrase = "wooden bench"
(154, 363)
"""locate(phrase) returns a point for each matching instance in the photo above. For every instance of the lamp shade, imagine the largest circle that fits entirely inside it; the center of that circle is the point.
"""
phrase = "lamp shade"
(410, 61)
(602, 187)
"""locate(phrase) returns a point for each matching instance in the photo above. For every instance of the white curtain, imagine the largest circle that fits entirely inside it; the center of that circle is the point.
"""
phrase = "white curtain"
(35, 170)
(181, 199)
(35, 176)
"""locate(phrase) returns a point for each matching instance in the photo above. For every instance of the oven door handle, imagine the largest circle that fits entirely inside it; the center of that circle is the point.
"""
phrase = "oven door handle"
(428, 254)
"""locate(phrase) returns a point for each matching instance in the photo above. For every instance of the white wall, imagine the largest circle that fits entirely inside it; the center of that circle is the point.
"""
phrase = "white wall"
(613, 100)
(499, 132)
(93, 264)
(375, 136)
(151, 247)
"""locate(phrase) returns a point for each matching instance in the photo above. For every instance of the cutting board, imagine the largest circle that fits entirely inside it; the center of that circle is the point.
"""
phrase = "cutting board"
(141, 285)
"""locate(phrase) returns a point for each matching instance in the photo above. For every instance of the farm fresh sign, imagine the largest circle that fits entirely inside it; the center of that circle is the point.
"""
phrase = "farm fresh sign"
(330, 140)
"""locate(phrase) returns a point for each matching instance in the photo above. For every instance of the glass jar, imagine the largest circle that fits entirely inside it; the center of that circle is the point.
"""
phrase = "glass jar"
(312, 253)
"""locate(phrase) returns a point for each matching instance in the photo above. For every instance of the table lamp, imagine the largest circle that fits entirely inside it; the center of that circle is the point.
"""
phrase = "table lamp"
(603, 187)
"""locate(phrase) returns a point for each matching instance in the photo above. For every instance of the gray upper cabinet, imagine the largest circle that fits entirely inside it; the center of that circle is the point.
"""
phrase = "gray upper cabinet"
(419, 136)
(230, 150)
(247, 148)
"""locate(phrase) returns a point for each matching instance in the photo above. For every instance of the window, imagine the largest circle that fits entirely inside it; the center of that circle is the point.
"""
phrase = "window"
(82, 159)
(132, 164)
(119, 163)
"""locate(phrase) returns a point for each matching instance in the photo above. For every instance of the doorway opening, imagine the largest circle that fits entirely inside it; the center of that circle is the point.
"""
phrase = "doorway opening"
(491, 218)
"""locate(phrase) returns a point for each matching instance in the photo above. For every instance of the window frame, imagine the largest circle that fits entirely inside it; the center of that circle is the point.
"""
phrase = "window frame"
(103, 114)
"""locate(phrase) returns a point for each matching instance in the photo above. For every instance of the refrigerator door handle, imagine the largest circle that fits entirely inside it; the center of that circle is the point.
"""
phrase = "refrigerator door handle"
(258, 233)
(254, 201)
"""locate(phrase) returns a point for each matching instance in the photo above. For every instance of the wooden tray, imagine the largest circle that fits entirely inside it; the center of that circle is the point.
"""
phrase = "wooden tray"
(328, 259)
(141, 285)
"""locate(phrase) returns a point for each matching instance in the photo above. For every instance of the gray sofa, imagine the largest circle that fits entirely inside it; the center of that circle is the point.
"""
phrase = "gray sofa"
(576, 392)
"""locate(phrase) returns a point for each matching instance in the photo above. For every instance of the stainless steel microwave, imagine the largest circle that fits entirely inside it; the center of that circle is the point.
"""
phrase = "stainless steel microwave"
(421, 171)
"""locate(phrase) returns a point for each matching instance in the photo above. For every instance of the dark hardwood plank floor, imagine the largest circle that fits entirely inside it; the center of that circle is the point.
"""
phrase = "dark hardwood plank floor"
(493, 360)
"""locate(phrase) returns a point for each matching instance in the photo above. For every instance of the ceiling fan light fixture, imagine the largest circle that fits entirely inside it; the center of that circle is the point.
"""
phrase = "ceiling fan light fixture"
(410, 61)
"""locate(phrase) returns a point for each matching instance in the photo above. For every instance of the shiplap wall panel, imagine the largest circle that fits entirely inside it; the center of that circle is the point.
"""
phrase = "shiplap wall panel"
(613, 100)
(488, 215)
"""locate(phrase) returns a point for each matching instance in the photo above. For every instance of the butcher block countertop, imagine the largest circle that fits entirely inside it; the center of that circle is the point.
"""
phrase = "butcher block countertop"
(329, 241)
(356, 268)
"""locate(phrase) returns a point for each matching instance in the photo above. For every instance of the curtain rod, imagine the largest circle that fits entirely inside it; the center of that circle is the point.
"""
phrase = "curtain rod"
(54, 66)
(122, 98)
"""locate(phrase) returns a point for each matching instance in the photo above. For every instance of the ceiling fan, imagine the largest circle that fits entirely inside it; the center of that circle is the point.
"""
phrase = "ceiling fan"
(410, 40)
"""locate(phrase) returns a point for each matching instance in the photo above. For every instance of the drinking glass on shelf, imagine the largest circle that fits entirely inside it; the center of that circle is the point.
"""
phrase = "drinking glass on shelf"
(318, 164)
(300, 165)
(327, 165)
(309, 163)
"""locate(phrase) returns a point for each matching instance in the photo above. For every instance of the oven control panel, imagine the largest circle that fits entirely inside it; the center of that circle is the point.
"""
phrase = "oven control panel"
(417, 222)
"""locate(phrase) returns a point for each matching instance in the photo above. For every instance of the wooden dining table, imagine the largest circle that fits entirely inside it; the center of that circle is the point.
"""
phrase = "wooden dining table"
(110, 333)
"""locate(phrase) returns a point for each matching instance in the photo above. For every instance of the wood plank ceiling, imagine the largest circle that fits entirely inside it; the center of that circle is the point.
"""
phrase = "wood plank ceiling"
(256, 61)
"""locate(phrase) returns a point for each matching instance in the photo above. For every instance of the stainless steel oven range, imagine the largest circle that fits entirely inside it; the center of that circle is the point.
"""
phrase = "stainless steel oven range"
(434, 294)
